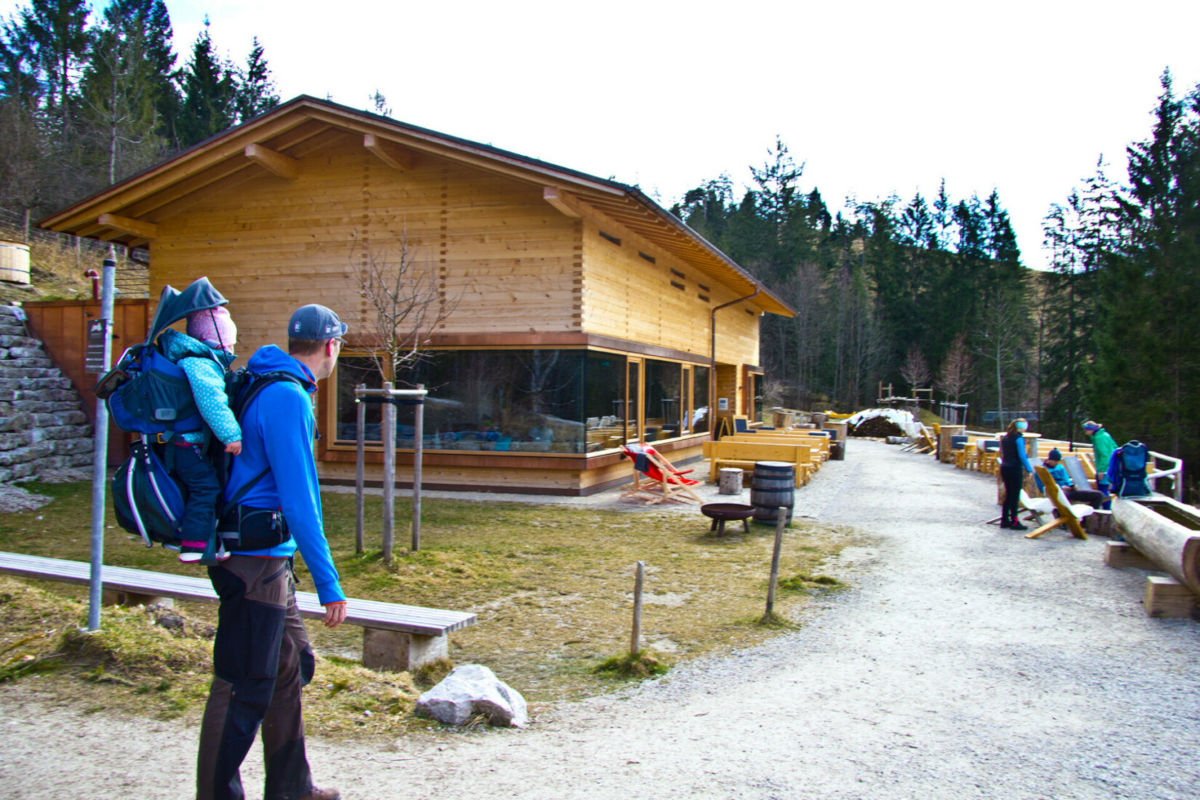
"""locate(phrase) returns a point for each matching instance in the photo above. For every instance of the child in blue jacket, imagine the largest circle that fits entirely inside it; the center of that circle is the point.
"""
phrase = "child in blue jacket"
(204, 354)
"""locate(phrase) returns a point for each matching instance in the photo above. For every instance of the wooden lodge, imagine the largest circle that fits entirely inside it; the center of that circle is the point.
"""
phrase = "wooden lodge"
(578, 314)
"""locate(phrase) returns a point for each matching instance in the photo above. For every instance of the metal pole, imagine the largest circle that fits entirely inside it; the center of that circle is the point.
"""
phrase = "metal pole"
(636, 637)
(418, 449)
(100, 452)
(389, 474)
(361, 428)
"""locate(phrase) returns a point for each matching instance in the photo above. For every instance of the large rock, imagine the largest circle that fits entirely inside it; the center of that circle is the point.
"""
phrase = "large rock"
(473, 689)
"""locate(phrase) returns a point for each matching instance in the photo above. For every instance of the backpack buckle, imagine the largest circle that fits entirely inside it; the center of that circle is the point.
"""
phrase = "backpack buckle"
(160, 438)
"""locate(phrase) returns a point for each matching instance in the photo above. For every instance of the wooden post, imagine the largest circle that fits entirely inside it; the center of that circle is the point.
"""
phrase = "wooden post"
(360, 411)
(636, 636)
(780, 519)
(418, 449)
(389, 473)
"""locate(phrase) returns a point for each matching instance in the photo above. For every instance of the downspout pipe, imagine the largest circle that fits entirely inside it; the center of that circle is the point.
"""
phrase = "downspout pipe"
(712, 358)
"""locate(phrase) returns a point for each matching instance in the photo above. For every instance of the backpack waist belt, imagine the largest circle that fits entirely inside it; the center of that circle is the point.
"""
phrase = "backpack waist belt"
(247, 528)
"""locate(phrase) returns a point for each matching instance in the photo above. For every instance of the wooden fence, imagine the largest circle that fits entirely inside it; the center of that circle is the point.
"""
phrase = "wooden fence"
(62, 326)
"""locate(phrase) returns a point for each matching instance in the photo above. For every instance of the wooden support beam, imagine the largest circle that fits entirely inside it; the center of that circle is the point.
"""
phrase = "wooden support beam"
(274, 162)
(1123, 554)
(125, 225)
(1167, 598)
(561, 200)
(395, 157)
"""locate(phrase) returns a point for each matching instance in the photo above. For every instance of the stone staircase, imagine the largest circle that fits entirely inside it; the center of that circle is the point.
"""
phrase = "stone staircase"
(44, 432)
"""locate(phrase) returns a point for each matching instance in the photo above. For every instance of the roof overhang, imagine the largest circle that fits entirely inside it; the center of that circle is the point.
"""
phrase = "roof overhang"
(128, 212)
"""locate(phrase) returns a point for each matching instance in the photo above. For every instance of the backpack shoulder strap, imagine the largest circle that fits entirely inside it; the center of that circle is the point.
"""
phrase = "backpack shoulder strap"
(239, 406)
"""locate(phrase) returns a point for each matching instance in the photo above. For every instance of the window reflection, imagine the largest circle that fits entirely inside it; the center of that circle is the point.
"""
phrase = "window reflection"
(542, 401)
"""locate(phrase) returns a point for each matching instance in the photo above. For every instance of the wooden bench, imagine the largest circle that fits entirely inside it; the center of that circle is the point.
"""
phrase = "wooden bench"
(395, 637)
(819, 442)
(744, 455)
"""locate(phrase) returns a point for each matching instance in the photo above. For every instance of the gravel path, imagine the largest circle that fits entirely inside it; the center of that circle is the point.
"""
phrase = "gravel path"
(965, 662)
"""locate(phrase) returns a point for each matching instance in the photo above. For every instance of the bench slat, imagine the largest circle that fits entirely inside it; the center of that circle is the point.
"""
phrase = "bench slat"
(366, 613)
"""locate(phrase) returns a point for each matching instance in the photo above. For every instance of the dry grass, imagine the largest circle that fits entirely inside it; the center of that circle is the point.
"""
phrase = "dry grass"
(552, 586)
(56, 269)
(56, 272)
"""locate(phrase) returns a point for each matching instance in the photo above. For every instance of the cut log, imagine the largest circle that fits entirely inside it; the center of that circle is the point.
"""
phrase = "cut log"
(1165, 531)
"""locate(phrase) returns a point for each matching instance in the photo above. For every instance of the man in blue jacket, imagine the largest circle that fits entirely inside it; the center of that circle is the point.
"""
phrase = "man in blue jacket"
(261, 654)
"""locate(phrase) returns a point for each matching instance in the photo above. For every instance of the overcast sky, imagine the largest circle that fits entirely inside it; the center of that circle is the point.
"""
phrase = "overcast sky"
(875, 98)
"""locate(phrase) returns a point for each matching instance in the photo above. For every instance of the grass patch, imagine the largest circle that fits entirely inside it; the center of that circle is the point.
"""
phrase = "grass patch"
(628, 666)
(772, 621)
(801, 582)
(552, 586)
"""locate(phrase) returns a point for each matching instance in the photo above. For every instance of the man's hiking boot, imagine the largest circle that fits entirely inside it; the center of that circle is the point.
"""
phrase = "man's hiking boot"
(322, 794)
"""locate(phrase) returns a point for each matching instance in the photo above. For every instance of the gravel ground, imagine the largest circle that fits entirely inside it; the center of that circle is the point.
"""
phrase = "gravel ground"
(964, 662)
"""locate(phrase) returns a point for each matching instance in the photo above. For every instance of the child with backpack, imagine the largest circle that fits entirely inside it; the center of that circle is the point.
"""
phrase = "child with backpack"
(204, 354)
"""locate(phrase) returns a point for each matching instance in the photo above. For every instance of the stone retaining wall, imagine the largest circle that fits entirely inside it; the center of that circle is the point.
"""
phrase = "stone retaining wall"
(43, 427)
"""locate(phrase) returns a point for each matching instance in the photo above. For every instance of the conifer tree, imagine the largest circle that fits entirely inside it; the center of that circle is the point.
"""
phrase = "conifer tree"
(256, 92)
(210, 93)
(58, 31)
(1147, 374)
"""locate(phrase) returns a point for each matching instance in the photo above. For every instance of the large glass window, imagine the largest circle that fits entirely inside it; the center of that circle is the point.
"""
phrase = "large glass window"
(756, 397)
(700, 413)
(663, 400)
(632, 401)
(604, 401)
(547, 401)
(352, 371)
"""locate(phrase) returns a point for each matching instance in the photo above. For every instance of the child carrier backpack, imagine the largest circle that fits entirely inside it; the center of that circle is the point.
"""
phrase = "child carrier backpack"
(148, 394)
(1133, 457)
(148, 501)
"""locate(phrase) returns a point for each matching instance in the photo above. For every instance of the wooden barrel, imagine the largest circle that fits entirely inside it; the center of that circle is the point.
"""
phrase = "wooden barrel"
(772, 485)
(14, 262)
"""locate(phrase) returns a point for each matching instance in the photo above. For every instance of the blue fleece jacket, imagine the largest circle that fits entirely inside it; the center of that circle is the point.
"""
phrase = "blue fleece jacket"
(277, 431)
(205, 369)
(1058, 472)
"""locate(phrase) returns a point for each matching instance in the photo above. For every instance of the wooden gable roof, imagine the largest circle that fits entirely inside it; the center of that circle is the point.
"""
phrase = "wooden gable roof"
(127, 212)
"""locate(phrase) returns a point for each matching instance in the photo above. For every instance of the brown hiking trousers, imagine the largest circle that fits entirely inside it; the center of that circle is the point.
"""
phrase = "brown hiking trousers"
(261, 659)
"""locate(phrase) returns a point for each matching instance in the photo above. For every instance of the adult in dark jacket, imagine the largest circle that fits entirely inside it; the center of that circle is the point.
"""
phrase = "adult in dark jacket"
(261, 654)
(1014, 465)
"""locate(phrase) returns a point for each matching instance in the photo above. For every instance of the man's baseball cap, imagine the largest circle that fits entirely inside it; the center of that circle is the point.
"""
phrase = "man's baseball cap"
(315, 322)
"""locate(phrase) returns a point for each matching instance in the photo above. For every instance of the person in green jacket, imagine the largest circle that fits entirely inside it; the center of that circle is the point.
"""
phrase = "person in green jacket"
(1103, 445)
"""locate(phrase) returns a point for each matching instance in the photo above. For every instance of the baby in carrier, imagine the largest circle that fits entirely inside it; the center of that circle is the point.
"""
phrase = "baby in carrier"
(204, 355)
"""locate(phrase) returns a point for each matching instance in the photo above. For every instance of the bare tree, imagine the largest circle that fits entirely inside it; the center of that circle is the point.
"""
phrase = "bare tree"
(954, 377)
(405, 304)
(999, 340)
(915, 370)
(118, 104)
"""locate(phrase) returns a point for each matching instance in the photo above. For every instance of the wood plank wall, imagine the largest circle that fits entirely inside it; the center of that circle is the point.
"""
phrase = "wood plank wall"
(637, 291)
(62, 327)
(503, 257)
